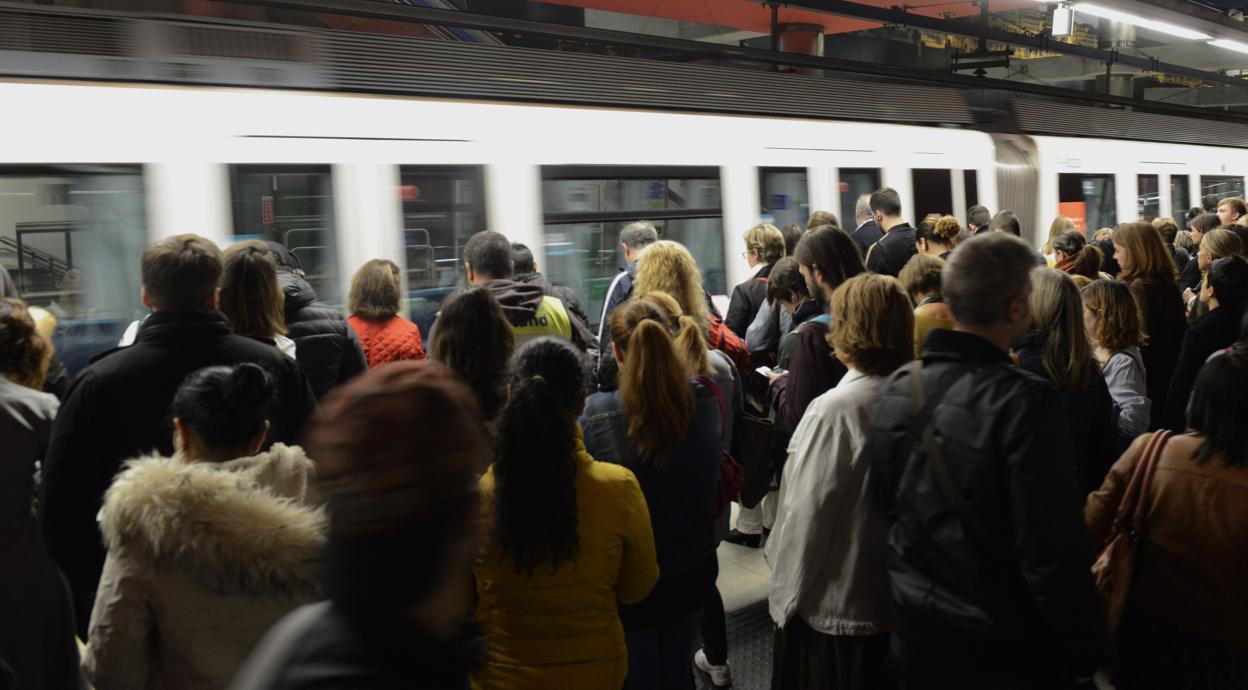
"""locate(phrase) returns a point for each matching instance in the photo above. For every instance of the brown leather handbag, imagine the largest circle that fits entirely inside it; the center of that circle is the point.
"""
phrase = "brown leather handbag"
(1115, 565)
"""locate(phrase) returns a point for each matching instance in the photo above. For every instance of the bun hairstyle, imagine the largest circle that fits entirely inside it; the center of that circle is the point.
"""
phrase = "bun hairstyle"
(24, 353)
(535, 460)
(225, 407)
(654, 381)
(946, 230)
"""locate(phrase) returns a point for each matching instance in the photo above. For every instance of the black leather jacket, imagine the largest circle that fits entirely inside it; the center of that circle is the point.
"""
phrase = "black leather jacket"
(1016, 586)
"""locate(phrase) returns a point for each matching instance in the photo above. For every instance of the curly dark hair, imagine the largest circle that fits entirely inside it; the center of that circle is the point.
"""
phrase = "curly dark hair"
(24, 354)
(534, 464)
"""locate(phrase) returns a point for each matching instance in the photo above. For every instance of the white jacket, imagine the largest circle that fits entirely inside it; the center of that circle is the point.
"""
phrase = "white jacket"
(202, 559)
(829, 549)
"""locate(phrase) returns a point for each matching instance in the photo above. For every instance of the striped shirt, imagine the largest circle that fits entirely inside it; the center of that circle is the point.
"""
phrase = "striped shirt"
(1125, 376)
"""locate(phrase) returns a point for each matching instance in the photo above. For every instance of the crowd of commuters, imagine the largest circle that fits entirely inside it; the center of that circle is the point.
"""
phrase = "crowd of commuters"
(253, 492)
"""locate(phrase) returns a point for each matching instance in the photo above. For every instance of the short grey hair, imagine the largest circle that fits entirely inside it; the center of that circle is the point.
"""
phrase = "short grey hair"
(639, 234)
(984, 274)
(863, 207)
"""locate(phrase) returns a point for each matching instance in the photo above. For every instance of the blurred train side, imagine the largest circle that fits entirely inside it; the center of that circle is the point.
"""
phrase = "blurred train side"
(186, 140)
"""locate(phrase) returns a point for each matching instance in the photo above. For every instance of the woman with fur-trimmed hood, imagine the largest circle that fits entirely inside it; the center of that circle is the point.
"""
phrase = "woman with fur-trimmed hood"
(206, 549)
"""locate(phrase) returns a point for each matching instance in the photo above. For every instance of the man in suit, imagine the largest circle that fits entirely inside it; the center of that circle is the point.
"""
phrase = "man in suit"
(868, 231)
(977, 219)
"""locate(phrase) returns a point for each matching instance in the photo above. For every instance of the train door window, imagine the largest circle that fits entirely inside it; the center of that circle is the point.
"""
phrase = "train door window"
(70, 240)
(443, 205)
(933, 193)
(1180, 199)
(1089, 200)
(585, 207)
(854, 183)
(1148, 196)
(1222, 186)
(785, 196)
(970, 180)
(294, 206)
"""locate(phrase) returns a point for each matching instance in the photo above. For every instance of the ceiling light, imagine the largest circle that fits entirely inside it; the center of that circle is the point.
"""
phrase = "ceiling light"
(1230, 45)
(1063, 20)
(1142, 22)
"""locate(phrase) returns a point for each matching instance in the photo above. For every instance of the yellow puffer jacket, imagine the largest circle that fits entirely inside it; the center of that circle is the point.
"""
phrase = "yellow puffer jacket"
(562, 629)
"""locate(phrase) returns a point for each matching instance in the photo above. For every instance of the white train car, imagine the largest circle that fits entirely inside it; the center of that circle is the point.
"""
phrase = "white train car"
(92, 172)
(342, 179)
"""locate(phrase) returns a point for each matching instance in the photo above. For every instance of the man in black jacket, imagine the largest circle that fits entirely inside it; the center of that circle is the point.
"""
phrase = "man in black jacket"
(325, 346)
(1225, 292)
(525, 267)
(867, 232)
(988, 553)
(891, 253)
(118, 406)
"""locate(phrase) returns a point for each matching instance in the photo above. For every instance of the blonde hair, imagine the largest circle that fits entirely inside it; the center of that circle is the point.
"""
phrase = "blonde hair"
(947, 229)
(1059, 225)
(684, 331)
(872, 324)
(1057, 309)
(667, 266)
(1118, 322)
(653, 382)
(767, 240)
(251, 298)
(375, 290)
(1221, 243)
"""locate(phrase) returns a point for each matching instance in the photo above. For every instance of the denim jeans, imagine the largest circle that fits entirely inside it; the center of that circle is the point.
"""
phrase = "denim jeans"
(661, 658)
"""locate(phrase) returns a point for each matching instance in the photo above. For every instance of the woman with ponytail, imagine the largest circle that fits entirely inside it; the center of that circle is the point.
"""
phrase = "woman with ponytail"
(668, 429)
(569, 538)
(206, 549)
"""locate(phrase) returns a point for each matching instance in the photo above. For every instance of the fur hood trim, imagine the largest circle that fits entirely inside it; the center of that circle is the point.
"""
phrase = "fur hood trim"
(246, 523)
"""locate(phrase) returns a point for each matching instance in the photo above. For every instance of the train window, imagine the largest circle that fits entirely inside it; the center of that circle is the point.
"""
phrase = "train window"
(70, 239)
(1088, 199)
(970, 180)
(443, 205)
(1222, 186)
(1148, 198)
(785, 196)
(585, 208)
(1180, 199)
(292, 205)
(933, 193)
(854, 183)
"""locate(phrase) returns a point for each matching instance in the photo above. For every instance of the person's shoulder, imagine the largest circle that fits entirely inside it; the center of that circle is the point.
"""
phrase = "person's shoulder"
(602, 403)
(31, 402)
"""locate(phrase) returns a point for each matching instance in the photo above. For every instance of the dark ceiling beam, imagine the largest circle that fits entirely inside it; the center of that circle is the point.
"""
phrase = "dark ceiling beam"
(975, 29)
(438, 17)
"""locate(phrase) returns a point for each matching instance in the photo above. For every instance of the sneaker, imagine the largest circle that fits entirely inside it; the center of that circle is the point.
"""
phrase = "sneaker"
(750, 541)
(721, 676)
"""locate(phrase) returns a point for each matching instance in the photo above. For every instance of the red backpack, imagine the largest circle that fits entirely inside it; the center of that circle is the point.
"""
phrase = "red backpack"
(723, 339)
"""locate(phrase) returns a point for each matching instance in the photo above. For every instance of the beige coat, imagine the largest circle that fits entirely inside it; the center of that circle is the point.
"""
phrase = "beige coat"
(202, 559)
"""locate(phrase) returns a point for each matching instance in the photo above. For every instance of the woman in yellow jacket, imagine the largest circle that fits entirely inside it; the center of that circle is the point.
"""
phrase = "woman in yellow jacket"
(568, 538)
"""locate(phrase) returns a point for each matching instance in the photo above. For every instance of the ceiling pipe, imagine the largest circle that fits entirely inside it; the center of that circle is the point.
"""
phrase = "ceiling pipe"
(438, 17)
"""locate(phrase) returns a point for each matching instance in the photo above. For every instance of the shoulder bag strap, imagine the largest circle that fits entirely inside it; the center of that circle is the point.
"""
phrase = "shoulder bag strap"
(719, 397)
(1156, 445)
(1124, 518)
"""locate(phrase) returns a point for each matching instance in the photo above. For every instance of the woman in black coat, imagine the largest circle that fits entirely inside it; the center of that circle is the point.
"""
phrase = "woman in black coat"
(1057, 348)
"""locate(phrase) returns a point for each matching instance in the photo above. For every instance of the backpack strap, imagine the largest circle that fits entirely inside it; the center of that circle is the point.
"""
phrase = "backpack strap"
(710, 385)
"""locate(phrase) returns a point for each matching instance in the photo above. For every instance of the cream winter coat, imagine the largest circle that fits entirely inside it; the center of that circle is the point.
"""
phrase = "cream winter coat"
(202, 559)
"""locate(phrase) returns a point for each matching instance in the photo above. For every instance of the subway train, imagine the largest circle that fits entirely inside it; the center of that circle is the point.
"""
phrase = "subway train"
(92, 172)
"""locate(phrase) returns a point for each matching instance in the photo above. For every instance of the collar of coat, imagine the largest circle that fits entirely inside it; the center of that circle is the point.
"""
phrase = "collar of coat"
(254, 523)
